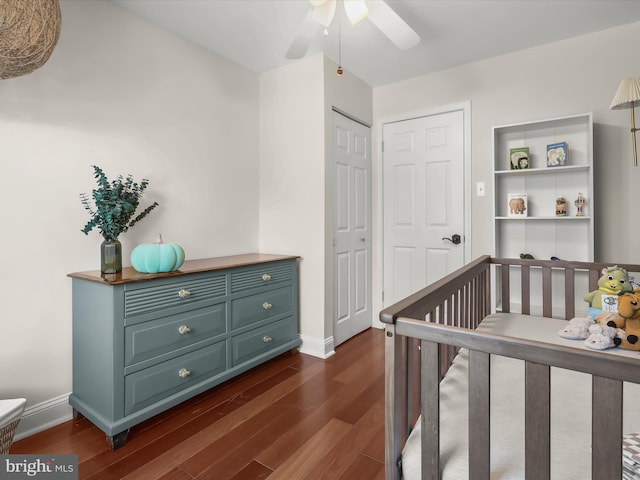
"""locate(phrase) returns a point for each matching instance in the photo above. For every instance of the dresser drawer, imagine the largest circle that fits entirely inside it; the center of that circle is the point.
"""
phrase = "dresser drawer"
(256, 342)
(147, 340)
(261, 306)
(261, 275)
(174, 296)
(155, 383)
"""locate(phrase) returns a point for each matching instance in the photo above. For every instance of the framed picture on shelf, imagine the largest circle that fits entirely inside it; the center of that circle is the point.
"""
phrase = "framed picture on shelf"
(517, 204)
(519, 158)
(557, 154)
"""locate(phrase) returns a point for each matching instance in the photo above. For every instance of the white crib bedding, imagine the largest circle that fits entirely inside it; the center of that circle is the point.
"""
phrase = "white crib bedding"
(570, 410)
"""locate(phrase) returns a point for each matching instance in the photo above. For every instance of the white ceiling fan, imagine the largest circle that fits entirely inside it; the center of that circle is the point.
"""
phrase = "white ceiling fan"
(377, 11)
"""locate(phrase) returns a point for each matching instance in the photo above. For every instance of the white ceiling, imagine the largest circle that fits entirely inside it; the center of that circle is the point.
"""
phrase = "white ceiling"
(257, 33)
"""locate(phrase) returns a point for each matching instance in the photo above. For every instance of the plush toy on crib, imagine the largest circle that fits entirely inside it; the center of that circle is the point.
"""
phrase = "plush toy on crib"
(613, 282)
(606, 331)
(629, 309)
(577, 328)
(602, 337)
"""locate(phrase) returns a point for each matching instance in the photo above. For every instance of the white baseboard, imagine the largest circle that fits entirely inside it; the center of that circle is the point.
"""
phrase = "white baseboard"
(44, 415)
(317, 347)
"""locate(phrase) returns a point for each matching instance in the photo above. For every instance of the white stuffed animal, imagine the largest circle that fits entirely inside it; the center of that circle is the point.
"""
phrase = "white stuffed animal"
(577, 328)
(602, 337)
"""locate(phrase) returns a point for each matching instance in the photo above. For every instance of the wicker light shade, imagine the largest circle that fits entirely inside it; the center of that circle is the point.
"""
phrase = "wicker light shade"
(29, 31)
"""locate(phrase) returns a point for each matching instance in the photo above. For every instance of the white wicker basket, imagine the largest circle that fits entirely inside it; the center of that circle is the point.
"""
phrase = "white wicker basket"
(10, 415)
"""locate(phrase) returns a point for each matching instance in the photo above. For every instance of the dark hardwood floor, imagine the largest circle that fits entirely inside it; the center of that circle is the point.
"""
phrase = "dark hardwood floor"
(295, 417)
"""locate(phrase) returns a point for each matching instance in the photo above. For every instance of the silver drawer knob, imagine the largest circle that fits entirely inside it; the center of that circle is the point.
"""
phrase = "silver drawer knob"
(266, 305)
(183, 330)
(184, 293)
(184, 373)
(266, 339)
(266, 276)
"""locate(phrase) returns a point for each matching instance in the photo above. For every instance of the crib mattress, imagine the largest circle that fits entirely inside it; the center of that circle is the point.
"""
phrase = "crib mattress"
(570, 410)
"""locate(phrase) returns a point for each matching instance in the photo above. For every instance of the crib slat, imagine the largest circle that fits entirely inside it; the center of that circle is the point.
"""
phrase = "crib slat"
(393, 423)
(505, 286)
(569, 293)
(537, 421)
(430, 385)
(479, 423)
(547, 302)
(606, 429)
(525, 279)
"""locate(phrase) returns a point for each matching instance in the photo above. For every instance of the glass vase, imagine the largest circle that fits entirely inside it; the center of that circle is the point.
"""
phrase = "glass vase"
(111, 256)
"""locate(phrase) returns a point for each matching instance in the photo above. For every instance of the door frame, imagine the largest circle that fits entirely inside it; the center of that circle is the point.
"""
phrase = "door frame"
(378, 230)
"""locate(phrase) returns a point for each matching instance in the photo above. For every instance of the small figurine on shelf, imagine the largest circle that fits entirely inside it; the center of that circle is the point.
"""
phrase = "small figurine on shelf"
(580, 205)
(561, 207)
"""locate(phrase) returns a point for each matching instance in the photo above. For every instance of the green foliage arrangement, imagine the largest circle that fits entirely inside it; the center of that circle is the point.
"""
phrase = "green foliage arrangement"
(114, 204)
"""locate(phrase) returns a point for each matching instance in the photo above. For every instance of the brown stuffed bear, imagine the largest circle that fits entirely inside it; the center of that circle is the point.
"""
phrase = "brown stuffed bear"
(629, 309)
(610, 319)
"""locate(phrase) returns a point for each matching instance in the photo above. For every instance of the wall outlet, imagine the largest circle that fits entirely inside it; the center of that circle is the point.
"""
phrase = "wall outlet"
(480, 189)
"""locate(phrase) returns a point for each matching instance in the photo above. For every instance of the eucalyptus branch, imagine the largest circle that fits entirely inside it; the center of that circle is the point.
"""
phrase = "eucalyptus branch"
(112, 205)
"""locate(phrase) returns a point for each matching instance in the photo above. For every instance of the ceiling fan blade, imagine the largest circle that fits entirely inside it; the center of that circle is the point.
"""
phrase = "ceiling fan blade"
(324, 11)
(307, 31)
(390, 23)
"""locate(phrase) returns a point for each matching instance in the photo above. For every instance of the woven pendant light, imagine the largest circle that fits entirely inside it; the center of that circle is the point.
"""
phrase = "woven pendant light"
(29, 31)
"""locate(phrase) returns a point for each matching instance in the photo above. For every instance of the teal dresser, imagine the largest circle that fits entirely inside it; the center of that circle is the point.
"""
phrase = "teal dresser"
(143, 343)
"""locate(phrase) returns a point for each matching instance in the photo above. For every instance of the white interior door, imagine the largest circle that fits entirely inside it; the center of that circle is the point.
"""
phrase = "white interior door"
(423, 201)
(352, 227)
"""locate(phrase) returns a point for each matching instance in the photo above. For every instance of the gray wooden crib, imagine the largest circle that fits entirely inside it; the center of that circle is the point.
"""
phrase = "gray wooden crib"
(428, 331)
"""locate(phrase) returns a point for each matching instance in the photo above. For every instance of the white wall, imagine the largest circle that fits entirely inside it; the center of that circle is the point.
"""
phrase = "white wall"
(573, 76)
(295, 179)
(292, 182)
(131, 98)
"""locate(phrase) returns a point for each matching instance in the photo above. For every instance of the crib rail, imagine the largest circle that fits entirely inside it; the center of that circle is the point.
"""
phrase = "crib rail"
(428, 327)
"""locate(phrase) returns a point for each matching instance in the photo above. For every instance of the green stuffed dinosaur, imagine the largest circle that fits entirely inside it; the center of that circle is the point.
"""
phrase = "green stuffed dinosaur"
(613, 281)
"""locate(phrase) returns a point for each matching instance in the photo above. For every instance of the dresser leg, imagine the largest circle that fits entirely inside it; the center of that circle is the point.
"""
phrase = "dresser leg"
(118, 440)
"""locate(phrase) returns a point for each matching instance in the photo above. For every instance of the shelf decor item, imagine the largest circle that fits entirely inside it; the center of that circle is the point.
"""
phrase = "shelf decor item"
(30, 31)
(517, 204)
(519, 158)
(557, 154)
(561, 207)
(580, 202)
(112, 206)
(157, 257)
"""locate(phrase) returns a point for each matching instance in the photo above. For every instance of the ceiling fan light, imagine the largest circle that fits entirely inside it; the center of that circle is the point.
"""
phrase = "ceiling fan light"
(356, 10)
(323, 13)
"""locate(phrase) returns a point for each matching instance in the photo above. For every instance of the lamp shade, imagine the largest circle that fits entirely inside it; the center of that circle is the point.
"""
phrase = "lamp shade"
(628, 94)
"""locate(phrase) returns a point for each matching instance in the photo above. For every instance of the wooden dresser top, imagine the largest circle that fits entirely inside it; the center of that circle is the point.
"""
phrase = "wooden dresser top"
(130, 274)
